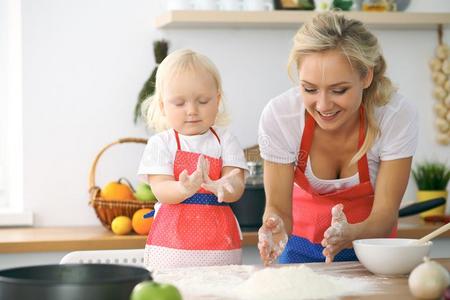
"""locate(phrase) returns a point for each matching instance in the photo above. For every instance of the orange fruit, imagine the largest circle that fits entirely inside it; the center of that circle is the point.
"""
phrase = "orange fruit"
(121, 225)
(117, 190)
(140, 225)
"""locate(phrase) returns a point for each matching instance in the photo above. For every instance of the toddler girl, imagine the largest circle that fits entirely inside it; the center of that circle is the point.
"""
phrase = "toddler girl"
(195, 167)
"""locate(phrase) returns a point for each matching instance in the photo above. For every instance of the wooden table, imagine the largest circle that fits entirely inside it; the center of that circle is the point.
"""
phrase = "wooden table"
(378, 287)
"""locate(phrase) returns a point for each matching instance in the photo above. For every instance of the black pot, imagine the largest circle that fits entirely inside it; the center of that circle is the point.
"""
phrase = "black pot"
(250, 208)
(71, 282)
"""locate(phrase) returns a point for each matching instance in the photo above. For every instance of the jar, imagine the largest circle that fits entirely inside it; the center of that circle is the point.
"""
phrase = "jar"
(255, 176)
(378, 5)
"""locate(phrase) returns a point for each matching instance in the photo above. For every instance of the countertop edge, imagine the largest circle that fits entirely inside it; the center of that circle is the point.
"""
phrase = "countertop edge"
(54, 239)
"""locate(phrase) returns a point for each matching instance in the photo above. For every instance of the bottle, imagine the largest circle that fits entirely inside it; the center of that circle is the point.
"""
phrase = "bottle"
(378, 5)
(255, 176)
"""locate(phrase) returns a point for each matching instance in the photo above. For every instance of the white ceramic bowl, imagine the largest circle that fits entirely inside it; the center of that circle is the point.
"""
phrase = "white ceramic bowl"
(390, 256)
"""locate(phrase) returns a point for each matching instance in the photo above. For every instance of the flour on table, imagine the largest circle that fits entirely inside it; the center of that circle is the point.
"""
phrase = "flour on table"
(251, 283)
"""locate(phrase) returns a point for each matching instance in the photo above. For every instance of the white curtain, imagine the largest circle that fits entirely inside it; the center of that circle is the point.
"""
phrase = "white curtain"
(11, 105)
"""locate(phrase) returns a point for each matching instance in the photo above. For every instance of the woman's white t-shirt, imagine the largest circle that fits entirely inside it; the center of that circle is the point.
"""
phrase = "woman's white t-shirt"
(282, 123)
(159, 154)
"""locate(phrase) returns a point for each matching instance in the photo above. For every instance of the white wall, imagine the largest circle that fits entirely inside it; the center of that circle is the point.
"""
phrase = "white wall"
(86, 60)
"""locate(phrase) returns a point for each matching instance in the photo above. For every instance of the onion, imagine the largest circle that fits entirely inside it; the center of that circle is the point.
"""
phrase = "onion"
(439, 93)
(428, 280)
(442, 124)
(447, 85)
(440, 109)
(439, 78)
(446, 66)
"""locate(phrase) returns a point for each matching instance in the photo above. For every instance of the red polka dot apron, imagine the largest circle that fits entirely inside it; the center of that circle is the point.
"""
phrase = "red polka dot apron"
(199, 231)
(311, 212)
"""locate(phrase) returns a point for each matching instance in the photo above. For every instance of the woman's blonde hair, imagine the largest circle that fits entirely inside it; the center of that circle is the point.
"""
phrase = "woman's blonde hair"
(329, 31)
(180, 61)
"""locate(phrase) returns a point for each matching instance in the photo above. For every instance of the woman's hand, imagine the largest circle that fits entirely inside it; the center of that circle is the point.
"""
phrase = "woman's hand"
(224, 186)
(272, 238)
(190, 184)
(338, 236)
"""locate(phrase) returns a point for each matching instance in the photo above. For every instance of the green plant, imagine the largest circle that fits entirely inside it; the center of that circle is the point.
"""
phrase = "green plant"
(160, 49)
(431, 176)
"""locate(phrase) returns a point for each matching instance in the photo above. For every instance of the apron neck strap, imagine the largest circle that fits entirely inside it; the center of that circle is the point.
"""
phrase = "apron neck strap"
(307, 138)
(177, 137)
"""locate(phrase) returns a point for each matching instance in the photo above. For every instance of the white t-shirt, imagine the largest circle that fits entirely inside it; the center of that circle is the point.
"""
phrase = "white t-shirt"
(283, 120)
(159, 154)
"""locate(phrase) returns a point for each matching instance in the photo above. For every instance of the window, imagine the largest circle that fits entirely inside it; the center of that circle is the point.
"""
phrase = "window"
(11, 177)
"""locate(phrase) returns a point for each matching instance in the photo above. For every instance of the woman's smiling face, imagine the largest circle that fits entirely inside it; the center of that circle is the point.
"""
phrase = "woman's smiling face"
(331, 89)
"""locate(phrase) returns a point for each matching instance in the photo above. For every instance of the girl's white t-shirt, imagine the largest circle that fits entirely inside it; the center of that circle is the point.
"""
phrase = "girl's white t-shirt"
(159, 154)
(282, 123)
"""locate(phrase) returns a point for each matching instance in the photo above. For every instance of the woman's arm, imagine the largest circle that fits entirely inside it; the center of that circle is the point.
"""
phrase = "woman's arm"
(277, 219)
(278, 183)
(392, 180)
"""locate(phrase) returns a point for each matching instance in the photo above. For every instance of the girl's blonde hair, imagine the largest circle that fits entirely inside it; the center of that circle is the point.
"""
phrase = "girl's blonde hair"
(180, 61)
(329, 31)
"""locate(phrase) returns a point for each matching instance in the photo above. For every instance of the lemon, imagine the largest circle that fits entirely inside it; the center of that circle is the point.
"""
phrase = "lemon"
(121, 225)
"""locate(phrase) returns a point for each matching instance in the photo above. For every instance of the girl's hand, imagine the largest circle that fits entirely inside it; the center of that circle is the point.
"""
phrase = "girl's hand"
(190, 184)
(338, 236)
(272, 239)
(226, 184)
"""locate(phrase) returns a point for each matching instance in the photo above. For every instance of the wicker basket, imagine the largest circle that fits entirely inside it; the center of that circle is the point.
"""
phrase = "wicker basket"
(252, 154)
(107, 210)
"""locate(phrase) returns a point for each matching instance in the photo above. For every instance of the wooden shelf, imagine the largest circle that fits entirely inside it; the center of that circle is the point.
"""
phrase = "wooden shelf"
(292, 19)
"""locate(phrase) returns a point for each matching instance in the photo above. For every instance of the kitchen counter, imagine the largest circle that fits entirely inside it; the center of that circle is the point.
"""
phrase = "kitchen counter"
(374, 287)
(47, 239)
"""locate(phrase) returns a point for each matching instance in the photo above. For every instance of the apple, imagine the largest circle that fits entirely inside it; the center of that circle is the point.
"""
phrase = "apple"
(150, 290)
(144, 193)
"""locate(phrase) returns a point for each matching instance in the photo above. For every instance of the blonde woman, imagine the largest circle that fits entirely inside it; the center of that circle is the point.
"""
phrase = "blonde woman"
(194, 166)
(337, 148)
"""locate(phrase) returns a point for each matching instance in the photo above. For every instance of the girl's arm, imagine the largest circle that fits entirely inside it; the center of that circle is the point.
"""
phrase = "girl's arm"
(277, 219)
(168, 190)
(392, 180)
(229, 187)
(237, 182)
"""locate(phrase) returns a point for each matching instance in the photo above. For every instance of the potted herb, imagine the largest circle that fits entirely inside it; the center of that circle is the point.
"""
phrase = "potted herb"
(431, 178)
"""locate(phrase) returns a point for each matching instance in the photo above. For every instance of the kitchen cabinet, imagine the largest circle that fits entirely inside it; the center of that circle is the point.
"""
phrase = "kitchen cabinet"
(293, 19)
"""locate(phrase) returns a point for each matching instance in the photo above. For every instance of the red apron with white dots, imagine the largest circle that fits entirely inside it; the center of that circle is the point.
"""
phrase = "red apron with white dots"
(199, 231)
(311, 212)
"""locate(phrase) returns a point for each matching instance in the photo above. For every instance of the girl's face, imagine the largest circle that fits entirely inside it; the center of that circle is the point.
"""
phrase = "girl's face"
(191, 101)
(331, 89)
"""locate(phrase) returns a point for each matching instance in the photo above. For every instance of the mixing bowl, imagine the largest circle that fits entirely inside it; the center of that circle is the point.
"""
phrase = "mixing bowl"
(390, 256)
